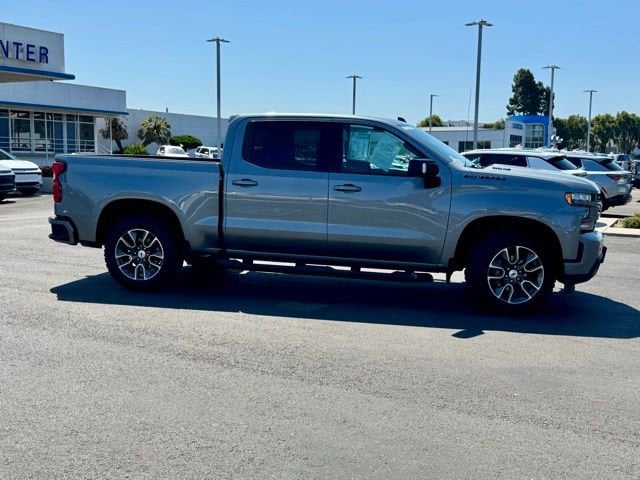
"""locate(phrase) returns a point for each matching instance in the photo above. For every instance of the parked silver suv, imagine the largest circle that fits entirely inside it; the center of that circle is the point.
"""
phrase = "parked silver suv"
(552, 160)
(613, 181)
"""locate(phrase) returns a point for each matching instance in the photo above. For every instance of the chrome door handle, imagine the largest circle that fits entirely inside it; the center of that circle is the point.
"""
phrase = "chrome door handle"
(245, 182)
(349, 188)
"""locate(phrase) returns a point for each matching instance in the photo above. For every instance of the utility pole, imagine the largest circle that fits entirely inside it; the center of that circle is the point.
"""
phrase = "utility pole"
(431, 109)
(550, 132)
(353, 104)
(218, 40)
(590, 92)
(480, 24)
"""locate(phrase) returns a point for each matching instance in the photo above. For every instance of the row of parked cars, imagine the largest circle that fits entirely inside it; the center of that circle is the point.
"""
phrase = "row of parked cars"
(18, 175)
(201, 152)
(613, 182)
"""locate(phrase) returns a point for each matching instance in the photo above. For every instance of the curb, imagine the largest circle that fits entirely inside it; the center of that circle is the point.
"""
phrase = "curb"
(605, 226)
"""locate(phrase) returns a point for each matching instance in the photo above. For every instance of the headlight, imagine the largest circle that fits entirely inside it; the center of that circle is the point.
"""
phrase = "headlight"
(579, 198)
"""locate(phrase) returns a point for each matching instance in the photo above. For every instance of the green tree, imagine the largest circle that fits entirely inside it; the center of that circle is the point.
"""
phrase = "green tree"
(527, 96)
(497, 125)
(118, 132)
(603, 130)
(572, 130)
(186, 141)
(154, 129)
(627, 131)
(436, 121)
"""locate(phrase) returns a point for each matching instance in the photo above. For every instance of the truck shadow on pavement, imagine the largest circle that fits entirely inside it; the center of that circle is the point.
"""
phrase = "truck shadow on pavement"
(433, 305)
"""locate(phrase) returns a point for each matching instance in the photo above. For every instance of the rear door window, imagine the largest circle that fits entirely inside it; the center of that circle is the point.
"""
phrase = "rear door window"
(289, 145)
(503, 159)
(562, 163)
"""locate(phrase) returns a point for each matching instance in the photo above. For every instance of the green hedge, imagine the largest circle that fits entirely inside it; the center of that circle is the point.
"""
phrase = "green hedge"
(186, 141)
(135, 149)
(631, 222)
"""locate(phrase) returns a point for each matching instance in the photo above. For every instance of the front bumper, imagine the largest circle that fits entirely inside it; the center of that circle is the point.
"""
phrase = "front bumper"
(591, 254)
(63, 230)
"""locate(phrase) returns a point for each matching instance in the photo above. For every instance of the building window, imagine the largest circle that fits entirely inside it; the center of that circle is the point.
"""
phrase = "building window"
(464, 146)
(20, 131)
(47, 132)
(515, 140)
(534, 135)
(72, 133)
(484, 144)
(4, 130)
(86, 130)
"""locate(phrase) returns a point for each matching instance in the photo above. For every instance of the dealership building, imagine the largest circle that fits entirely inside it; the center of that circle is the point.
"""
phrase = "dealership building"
(41, 116)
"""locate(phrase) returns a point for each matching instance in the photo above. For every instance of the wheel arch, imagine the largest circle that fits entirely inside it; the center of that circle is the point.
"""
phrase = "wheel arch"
(482, 227)
(120, 209)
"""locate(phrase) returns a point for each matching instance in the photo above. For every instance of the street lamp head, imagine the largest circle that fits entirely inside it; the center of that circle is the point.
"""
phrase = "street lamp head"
(353, 76)
(218, 40)
(482, 23)
(554, 67)
(590, 91)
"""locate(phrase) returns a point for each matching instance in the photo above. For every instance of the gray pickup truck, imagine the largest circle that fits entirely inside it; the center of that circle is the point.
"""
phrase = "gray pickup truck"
(315, 192)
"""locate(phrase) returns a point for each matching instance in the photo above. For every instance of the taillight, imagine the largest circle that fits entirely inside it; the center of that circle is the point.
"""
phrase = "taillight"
(58, 167)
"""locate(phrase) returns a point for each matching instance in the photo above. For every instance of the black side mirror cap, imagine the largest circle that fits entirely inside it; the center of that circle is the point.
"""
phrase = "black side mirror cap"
(427, 169)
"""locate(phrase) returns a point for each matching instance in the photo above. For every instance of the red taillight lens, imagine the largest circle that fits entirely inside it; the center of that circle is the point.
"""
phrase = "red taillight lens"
(58, 168)
(615, 177)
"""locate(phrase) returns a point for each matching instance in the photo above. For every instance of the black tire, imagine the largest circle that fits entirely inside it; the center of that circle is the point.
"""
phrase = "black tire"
(142, 253)
(3, 196)
(29, 191)
(510, 272)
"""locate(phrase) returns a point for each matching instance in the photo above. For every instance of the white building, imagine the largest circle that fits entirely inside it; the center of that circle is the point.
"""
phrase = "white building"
(461, 138)
(41, 117)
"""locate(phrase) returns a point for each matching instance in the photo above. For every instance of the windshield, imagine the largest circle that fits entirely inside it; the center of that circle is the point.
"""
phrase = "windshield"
(611, 165)
(175, 150)
(5, 156)
(435, 147)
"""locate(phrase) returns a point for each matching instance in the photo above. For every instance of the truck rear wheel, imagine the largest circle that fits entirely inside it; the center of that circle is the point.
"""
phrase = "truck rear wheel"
(510, 271)
(142, 253)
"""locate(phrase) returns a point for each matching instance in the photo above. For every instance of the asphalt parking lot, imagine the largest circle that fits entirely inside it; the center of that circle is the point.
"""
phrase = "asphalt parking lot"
(276, 376)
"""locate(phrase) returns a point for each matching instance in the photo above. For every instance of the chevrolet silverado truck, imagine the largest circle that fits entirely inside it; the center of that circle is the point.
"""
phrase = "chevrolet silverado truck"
(311, 193)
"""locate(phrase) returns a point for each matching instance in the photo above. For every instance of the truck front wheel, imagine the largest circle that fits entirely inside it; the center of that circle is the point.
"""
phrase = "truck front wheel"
(510, 271)
(142, 253)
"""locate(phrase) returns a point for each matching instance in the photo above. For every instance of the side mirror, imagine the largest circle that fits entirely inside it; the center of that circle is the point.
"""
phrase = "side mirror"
(428, 170)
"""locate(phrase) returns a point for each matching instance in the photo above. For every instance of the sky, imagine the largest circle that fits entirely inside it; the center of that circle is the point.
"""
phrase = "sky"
(293, 56)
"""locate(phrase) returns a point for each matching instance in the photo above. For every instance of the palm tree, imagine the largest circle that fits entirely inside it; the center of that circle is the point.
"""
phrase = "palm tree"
(154, 129)
(118, 132)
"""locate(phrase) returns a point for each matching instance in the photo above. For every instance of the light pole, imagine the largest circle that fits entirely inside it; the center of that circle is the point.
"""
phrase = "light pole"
(431, 109)
(550, 132)
(590, 92)
(218, 40)
(480, 24)
(353, 104)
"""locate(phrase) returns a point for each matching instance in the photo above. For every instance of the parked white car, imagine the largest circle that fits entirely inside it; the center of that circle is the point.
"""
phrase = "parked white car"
(28, 175)
(208, 152)
(171, 151)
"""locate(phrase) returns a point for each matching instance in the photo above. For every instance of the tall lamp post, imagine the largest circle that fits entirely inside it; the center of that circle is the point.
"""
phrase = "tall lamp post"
(431, 109)
(480, 24)
(353, 103)
(550, 132)
(218, 40)
(590, 92)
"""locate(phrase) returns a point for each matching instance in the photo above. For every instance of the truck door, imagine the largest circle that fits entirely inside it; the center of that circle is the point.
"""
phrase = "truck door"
(378, 210)
(276, 192)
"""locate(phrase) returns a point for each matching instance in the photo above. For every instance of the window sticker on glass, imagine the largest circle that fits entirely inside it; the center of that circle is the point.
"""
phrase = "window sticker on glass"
(385, 151)
(359, 145)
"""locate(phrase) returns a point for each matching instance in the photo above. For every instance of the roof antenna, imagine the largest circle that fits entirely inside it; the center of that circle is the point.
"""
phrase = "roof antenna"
(401, 119)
